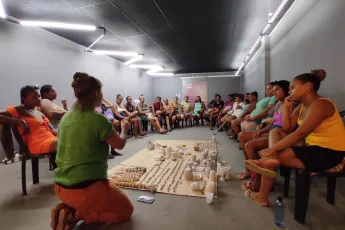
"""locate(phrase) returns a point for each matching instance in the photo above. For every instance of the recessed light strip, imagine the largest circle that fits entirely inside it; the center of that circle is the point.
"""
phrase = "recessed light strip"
(239, 69)
(2, 11)
(146, 66)
(135, 59)
(255, 45)
(115, 53)
(58, 25)
(277, 12)
(161, 74)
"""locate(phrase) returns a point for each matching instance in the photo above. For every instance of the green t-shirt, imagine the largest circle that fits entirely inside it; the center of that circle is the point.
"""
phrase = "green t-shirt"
(262, 105)
(82, 153)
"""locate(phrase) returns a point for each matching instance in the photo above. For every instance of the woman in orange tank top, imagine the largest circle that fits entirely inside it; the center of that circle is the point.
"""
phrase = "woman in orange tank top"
(36, 130)
(317, 124)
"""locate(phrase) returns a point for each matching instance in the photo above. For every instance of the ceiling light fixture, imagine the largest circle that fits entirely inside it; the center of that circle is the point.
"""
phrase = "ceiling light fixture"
(135, 59)
(255, 45)
(58, 25)
(266, 28)
(115, 53)
(161, 74)
(146, 66)
(2, 11)
(279, 9)
(97, 40)
(239, 69)
(154, 70)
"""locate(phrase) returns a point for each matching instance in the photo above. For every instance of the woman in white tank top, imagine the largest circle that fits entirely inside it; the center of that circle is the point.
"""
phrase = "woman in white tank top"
(121, 113)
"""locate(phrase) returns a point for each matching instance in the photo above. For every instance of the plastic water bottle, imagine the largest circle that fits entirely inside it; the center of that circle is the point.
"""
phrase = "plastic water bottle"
(279, 212)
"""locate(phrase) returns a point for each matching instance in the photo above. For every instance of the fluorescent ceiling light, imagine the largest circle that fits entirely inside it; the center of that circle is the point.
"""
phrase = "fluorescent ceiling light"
(161, 74)
(223, 76)
(115, 53)
(146, 66)
(100, 37)
(266, 28)
(239, 69)
(135, 59)
(279, 9)
(2, 11)
(154, 70)
(255, 45)
(58, 25)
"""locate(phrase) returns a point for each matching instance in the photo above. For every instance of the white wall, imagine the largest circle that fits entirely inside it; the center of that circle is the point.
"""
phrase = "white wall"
(30, 56)
(169, 87)
(310, 36)
(34, 56)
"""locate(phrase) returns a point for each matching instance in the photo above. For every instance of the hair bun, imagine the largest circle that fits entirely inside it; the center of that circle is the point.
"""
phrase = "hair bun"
(80, 78)
(319, 73)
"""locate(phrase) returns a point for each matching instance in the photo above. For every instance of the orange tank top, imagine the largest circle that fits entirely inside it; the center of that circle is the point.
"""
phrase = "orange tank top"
(39, 131)
(329, 134)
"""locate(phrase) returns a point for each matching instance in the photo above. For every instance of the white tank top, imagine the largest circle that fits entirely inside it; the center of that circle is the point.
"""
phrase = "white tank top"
(120, 108)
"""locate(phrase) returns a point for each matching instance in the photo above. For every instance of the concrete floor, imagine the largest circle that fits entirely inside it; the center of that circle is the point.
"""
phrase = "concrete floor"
(230, 211)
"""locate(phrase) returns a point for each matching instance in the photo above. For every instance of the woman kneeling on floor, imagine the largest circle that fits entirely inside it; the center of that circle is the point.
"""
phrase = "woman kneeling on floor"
(81, 176)
(319, 125)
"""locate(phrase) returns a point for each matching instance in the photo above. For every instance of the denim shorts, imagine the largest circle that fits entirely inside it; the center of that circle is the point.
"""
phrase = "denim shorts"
(257, 121)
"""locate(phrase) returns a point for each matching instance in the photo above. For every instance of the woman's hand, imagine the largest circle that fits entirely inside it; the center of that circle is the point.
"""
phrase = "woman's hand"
(25, 126)
(288, 101)
(259, 127)
(257, 135)
(266, 152)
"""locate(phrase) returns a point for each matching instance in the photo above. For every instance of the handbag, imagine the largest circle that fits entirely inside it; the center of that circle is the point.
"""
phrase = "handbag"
(109, 115)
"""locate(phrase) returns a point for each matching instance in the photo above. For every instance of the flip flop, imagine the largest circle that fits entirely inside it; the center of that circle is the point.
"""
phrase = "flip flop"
(242, 176)
(259, 167)
(247, 194)
(248, 186)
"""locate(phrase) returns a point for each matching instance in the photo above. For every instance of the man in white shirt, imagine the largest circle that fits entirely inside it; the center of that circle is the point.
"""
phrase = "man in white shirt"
(51, 110)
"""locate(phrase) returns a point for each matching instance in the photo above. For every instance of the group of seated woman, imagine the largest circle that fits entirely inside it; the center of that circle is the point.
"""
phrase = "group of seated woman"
(174, 112)
(82, 145)
(298, 129)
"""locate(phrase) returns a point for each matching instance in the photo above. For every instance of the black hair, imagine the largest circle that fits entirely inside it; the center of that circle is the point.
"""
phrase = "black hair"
(45, 89)
(159, 98)
(196, 99)
(255, 94)
(315, 78)
(271, 83)
(284, 85)
(26, 90)
(119, 95)
(127, 98)
(218, 95)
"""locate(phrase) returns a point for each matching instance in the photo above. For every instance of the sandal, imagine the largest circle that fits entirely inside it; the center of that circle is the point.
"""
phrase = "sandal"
(249, 186)
(17, 157)
(242, 176)
(63, 217)
(259, 167)
(247, 194)
(163, 131)
(143, 133)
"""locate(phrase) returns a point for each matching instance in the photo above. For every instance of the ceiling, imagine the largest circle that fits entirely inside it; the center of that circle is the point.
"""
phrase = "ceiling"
(183, 36)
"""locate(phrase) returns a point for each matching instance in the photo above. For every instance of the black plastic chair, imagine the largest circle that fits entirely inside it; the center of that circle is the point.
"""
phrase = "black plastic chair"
(26, 155)
(302, 187)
